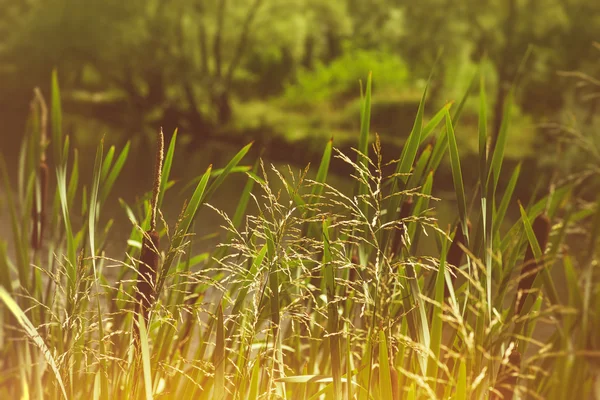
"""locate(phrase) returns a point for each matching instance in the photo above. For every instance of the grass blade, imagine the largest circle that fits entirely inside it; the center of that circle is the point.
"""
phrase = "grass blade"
(461, 386)
(56, 119)
(332, 313)
(500, 143)
(145, 357)
(227, 170)
(166, 172)
(33, 334)
(219, 357)
(457, 175)
(183, 226)
(385, 376)
(409, 151)
(108, 183)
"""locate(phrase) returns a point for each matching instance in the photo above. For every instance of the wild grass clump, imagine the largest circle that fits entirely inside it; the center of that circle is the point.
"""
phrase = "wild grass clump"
(318, 294)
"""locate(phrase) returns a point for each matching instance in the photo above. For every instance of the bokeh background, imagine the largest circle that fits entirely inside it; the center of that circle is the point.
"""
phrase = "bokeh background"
(285, 73)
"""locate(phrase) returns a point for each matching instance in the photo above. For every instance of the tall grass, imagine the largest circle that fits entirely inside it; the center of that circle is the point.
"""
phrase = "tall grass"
(319, 294)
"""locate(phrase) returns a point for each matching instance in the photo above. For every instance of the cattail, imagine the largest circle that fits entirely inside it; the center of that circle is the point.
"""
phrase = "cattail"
(147, 272)
(456, 253)
(531, 266)
(405, 210)
(149, 259)
(507, 377)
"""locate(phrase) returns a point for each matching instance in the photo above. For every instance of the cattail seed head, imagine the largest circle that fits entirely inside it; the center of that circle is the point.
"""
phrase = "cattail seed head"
(531, 266)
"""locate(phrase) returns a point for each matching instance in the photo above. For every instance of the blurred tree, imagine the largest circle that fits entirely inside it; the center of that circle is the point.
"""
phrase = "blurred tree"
(187, 62)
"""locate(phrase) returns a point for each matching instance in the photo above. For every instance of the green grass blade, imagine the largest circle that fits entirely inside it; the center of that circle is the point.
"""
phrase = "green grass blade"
(22, 258)
(26, 324)
(349, 383)
(363, 142)
(461, 386)
(458, 112)
(434, 122)
(255, 380)
(332, 313)
(74, 181)
(98, 170)
(71, 257)
(411, 146)
(385, 376)
(166, 172)
(182, 229)
(457, 175)
(219, 357)
(5, 279)
(418, 173)
(437, 323)
(538, 253)
(108, 183)
(106, 164)
(322, 172)
(438, 152)
(364, 375)
(56, 119)
(145, 357)
(242, 205)
(365, 124)
(508, 192)
(482, 135)
(498, 156)
(227, 170)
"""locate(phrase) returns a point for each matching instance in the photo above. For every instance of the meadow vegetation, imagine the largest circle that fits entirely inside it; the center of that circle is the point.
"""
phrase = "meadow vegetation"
(318, 294)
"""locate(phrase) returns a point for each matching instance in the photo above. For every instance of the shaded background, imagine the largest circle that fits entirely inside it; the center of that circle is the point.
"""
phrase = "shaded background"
(286, 73)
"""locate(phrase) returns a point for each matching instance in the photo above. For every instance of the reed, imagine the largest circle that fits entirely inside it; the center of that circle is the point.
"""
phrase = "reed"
(317, 293)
